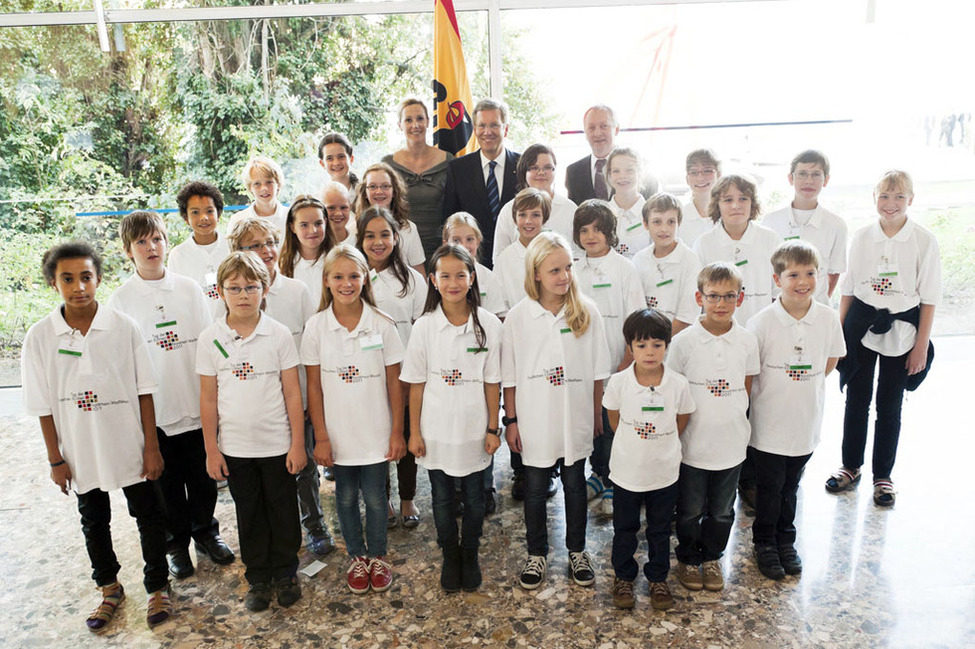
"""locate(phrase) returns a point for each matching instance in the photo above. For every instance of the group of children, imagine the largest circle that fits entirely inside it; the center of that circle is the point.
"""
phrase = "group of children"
(329, 340)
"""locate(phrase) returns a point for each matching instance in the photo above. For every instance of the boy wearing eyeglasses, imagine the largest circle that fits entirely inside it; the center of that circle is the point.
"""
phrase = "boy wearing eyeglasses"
(171, 312)
(807, 220)
(719, 357)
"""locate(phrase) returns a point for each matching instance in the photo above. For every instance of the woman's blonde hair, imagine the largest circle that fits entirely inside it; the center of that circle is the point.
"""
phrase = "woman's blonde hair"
(576, 314)
(244, 264)
(345, 251)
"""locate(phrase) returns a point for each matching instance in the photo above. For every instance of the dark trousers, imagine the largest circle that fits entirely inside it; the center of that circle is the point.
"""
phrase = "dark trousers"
(602, 447)
(705, 513)
(472, 520)
(775, 506)
(891, 382)
(309, 488)
(266, 500)
(659, 505)
(189, 493)
(96, 518)
(746, 477)
(405, 469)
(536, 525)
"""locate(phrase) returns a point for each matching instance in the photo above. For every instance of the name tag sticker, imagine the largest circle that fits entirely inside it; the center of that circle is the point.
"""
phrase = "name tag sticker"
(566, 330)
(370, 342)
(741, 263)
(792, 238)
(220, 348)
(167, 323)
(634, 227)
(71, 347)
(604, 285)
(653, 403)
(373, 275)
(665, 282)
(210, 279)
(476, 350)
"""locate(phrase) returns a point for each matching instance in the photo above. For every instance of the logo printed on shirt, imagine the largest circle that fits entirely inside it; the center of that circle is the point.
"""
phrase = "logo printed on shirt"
(622, 248)
(451, 377)
(645, 430)
(717, 387)
(652, 302)
(556, 376)
(86, 400)
(881, 285)
(242, 370)
(168, 341)
(349, 373)
(211, 292)
(798, 372)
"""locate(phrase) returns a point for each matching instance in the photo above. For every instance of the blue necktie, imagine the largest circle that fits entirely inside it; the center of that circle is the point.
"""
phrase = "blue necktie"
(494, 198)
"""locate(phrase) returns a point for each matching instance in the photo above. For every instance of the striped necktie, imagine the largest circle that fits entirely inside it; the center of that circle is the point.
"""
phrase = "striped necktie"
(494, 198)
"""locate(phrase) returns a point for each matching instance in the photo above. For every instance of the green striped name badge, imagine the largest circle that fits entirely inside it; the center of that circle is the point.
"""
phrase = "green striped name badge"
(223, 352)
(665, 282)
(483, 294)
(606, 285)
(792, 238)
(741, 263)
(892, 273)
(567, 330)
(634, 227)
(652, 409)
(69, 352)
(476, 350)
(800, 367)
(160, 325)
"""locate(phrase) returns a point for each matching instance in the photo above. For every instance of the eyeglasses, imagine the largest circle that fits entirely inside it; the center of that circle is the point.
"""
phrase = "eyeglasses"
(806, 175)
(488, 127)
(543, 169)
(269, 244)
(714, 298)
(250, 289)
(702, 173)
(385, 187)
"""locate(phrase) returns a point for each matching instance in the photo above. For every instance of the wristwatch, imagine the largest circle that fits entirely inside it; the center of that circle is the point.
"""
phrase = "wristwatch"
(494, 431)
(507, 421)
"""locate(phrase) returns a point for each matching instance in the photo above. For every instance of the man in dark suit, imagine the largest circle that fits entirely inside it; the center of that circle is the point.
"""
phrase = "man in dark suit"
(482, 181)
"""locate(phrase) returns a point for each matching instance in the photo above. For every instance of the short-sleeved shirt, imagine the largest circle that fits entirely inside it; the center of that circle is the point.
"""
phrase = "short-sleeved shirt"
(410, 245)
(894, 273)
(454, 368)
(826, 231)
(252, 415)
(789, 393)
(646, 451)
(559, 221)
(91, 385)
(670, 282)
(632, 236)
(492, 297)
(279, 219)
(612, 283)
(752, 255)
(171, 313)
(509, 271)
(692, 224)
(309, 273)
(404, 310)
(554, 371)
(353, 372)
(717, 434)
(200, 263)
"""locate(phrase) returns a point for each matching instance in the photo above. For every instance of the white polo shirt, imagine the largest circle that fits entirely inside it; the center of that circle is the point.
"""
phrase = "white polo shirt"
(171, 313)
(646, 451)
(454, 368)
(278, 219)
(559, 221)
(789, 393)
(410, 246)
(826, 231)
(353, 370)
(669, 283)
(894, 273)
(613, 284)
(403, 310)
(509, 271)
(309, 273)
(200, 263)
(716, 366)
(752, 255)
(692, 224)
(553, 371)
(633, 237)
(91, 386)
(492, 296)
(253, 418)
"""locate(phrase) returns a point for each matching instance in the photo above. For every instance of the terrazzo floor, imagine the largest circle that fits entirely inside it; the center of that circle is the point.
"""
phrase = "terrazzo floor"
(873, 578)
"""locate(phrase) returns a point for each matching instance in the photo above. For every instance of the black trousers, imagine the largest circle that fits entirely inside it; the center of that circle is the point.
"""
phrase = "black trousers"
(189, 493)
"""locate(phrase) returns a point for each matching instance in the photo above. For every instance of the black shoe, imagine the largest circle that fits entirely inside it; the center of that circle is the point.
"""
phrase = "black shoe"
(470, 570)
(320, 542)
(258, 597)
(288, 590)
(217, 549)
(790, 560)
(769, 564)
(180, 564)
(490, 502)
(552, 487)
(518, 487)
(450, 571)
(327, 472)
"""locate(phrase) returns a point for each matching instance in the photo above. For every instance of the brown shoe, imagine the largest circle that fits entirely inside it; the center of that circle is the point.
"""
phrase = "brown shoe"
(623, 593)
(713, 578)
(689, 576)
(661, 598)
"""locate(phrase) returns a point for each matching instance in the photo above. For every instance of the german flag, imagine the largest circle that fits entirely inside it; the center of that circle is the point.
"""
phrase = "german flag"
(453, 126)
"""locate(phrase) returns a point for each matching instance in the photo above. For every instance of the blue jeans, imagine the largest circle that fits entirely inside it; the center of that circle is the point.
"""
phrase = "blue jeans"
(705, 513)
(776, 499)
(659, 504)
(602, 447)
(370, 479)
(309, 488)
(574, 486)
(472, 521)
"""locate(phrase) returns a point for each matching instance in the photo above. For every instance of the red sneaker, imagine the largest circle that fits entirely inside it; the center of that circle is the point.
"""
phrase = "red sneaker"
(380, 574)
(358, 575)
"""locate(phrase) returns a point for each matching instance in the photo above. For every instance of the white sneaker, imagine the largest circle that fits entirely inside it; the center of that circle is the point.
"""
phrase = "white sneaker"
(606, 505)
(594, 487)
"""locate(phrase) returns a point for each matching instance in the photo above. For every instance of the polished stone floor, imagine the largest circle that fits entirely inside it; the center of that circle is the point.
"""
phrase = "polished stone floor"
(873, 578)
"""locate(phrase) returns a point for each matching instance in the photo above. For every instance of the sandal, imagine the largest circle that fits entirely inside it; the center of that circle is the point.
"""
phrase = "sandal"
(883, 493)
(843, 480)
(160, 607)
(112, 596)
